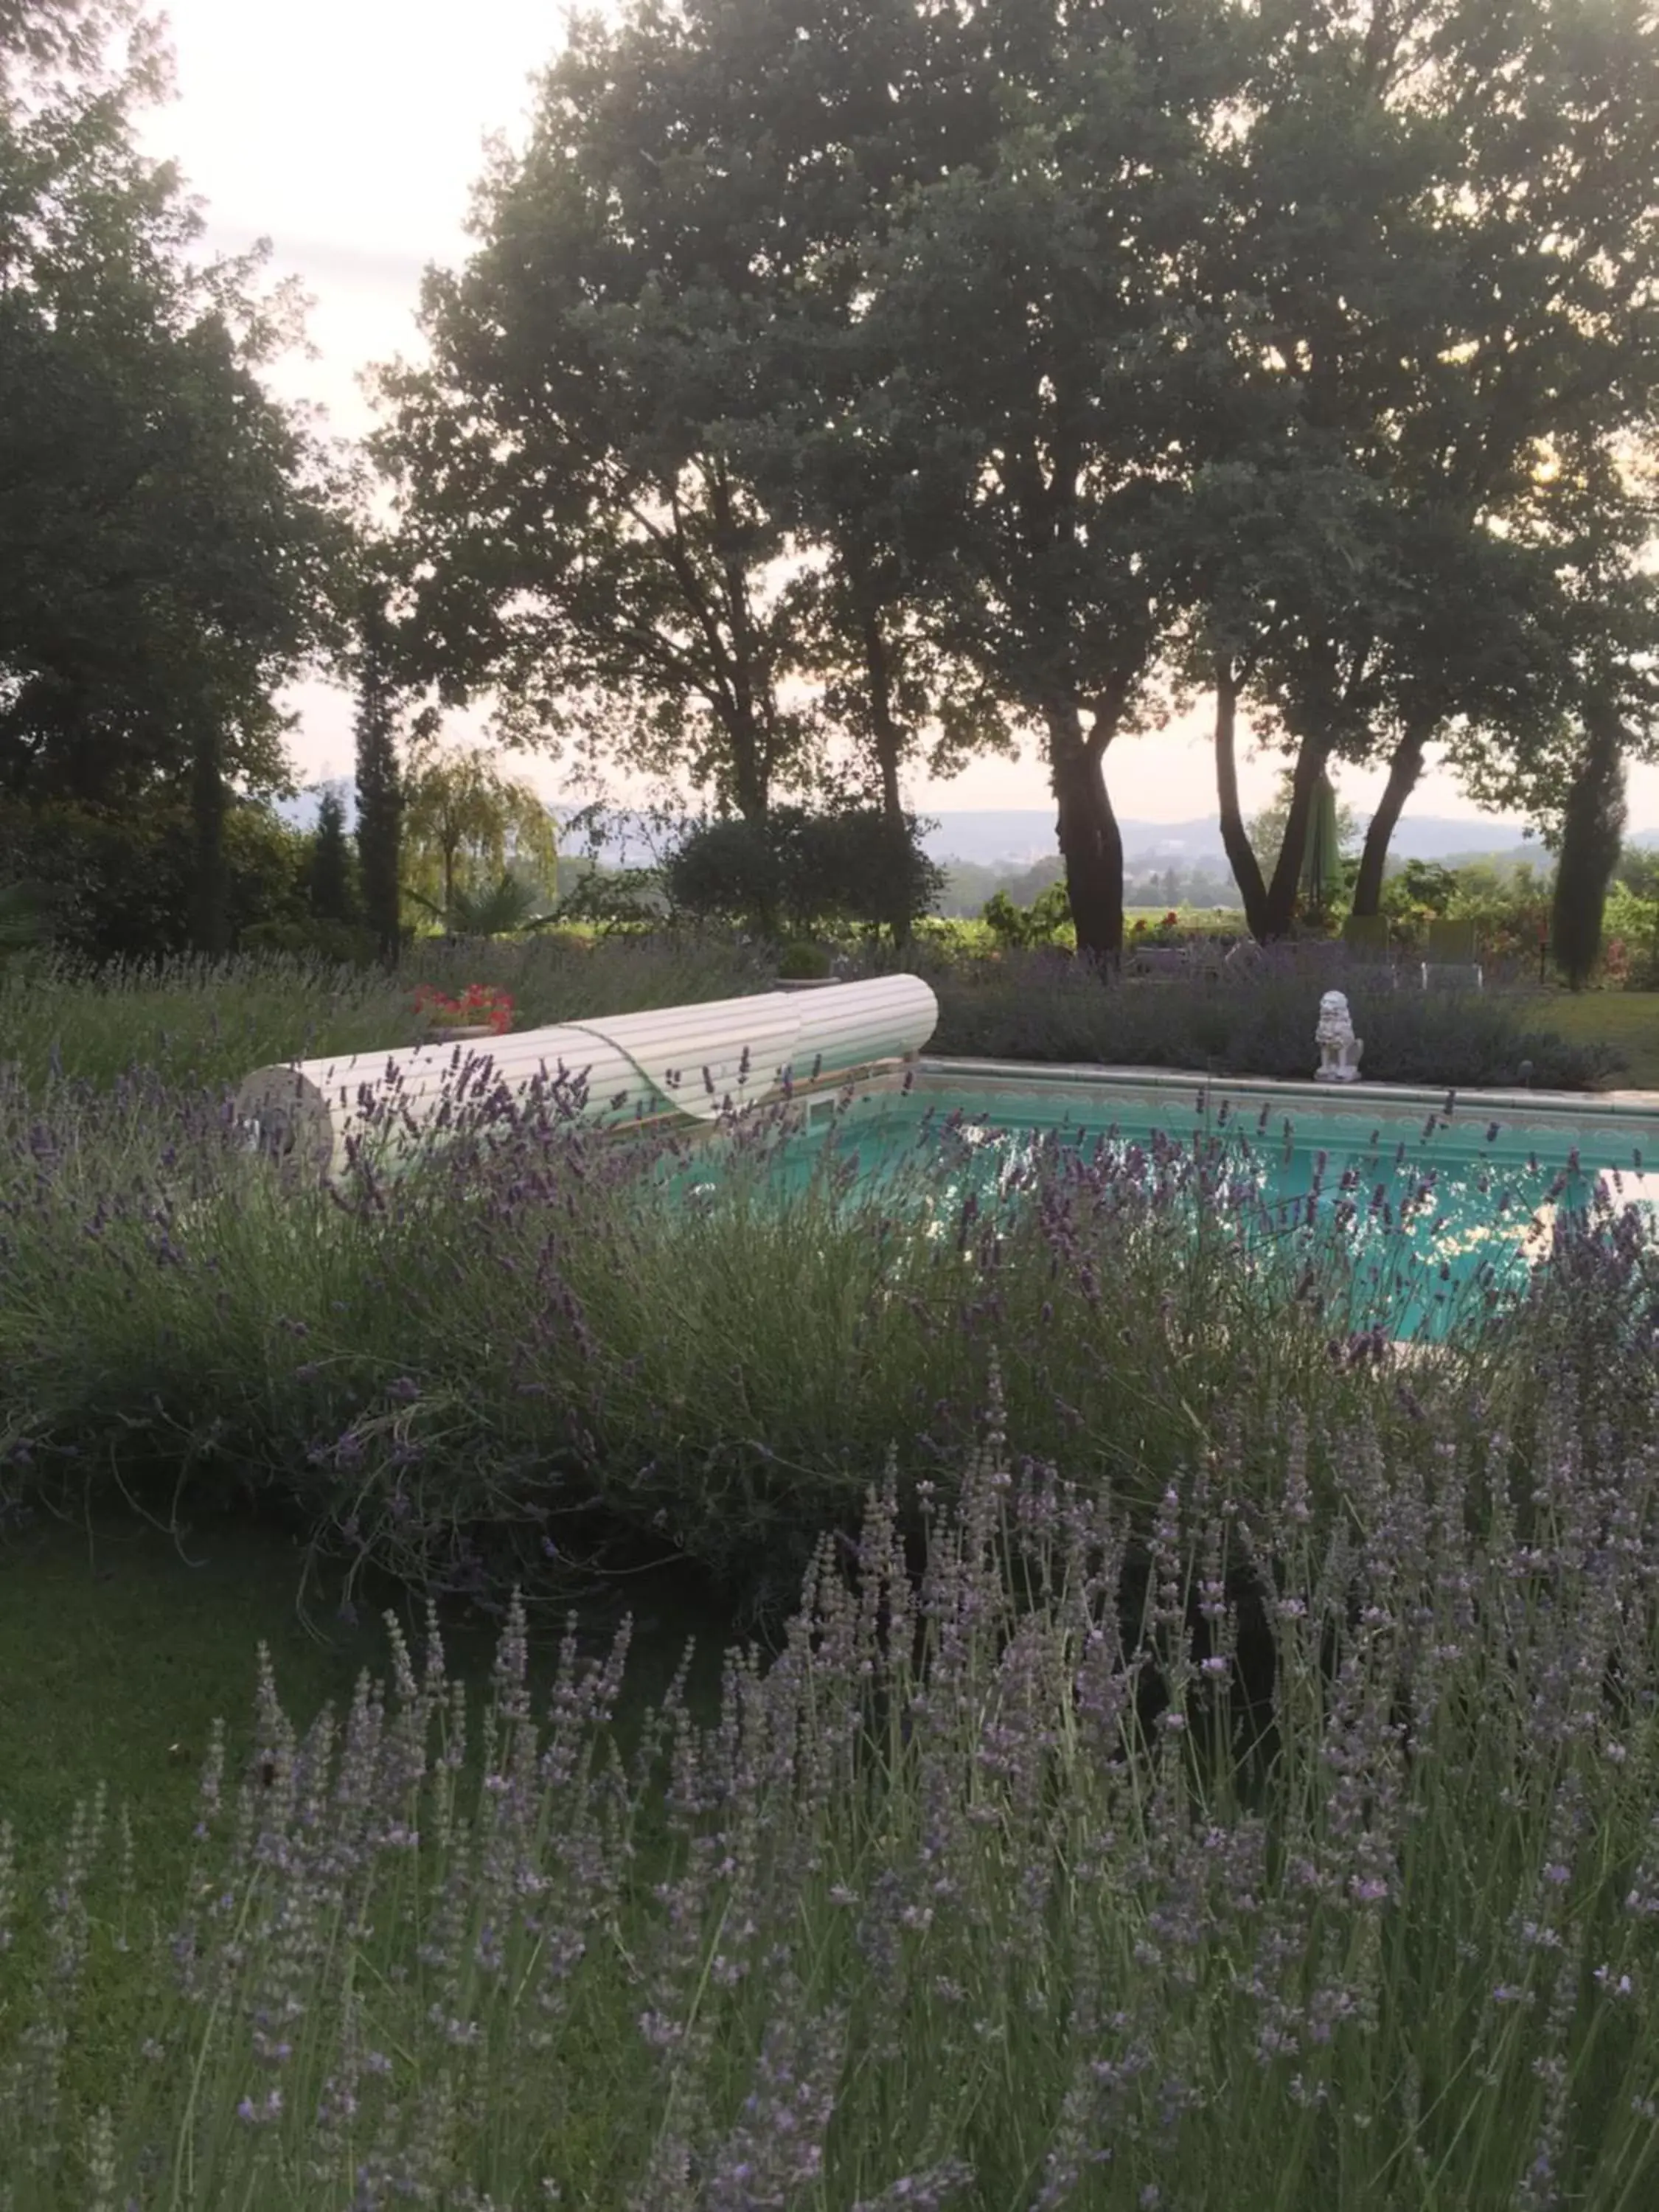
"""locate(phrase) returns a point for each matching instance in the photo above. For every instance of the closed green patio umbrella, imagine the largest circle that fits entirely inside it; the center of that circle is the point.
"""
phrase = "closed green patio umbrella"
(1322, 863)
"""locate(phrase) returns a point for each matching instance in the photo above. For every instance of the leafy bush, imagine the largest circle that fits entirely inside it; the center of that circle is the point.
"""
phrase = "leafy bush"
(1633, 926)
(729, 871)
(122, 884)
(799, 869)
(1047, 920)
(1508, 906)
(804, 962)
(334, 944)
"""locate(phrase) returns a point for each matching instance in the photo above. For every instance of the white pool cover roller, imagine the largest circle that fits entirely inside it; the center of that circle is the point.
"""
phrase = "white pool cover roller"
(660, 1066)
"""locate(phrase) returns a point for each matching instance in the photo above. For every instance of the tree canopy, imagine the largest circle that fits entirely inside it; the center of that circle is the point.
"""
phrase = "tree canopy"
(170, 535)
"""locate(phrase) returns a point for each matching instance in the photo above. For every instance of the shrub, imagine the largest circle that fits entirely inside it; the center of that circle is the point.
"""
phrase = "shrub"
(1047, 920)
(122, 885)
(856, 865)
(729, 871)
(799, 869)
(332, 884)
(1041, 1008)
(1508, 906)
(334, 944)
(804, 962)
(716, 1344)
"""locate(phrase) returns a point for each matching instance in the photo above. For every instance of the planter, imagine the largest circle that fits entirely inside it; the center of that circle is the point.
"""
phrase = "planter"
(806, 982)
(461, 1032)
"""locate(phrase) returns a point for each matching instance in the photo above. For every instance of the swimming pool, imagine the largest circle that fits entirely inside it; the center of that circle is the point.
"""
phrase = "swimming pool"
(1415, 1207)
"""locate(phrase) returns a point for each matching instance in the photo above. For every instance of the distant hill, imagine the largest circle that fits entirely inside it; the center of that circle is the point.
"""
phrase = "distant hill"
(1021, 835)
(1014, 836)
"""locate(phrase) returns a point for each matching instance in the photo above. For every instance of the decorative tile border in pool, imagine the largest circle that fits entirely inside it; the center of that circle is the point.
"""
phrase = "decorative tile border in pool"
(1634, 1113)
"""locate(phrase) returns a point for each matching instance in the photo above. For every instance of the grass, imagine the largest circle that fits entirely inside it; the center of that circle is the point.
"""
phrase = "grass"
(190, 1022)
(1628, 1021)
(121, 1646)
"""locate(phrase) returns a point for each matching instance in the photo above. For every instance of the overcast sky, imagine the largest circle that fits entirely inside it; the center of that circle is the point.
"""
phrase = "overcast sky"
(349, 132)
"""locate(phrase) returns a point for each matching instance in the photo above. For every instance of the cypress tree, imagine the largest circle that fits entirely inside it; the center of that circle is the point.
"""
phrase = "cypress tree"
(209, 803)
(380, 789)
(330, 893)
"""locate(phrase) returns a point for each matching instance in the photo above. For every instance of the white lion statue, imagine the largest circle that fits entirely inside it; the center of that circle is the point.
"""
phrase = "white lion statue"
(1339, 1048)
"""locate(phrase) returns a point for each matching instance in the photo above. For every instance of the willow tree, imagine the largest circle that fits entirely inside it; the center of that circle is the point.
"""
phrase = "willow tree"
(465, 824)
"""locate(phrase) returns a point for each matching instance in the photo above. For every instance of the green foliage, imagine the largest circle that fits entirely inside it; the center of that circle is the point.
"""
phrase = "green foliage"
(316, 940)
(1422, 886)
(380, 781)
(616, 900)
(170, 534)
(1510, 906)
(800, 867)
(804, 962)
(729, 870)
(331, 885)
(859, 865)
(1267, 827)
(466, 827)
(499, 909)
(125, 886)
(25, 916)
(1047, 920)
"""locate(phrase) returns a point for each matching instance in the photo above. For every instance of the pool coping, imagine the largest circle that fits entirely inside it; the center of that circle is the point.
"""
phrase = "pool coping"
(1445, 1100)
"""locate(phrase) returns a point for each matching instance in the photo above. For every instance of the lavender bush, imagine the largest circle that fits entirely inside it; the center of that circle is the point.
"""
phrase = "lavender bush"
(980, 1893)
(1042, 1007)
(543, 1344)
(196, 1021)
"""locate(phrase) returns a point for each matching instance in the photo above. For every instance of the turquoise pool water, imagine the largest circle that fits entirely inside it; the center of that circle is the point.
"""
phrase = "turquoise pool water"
(1417, 1214)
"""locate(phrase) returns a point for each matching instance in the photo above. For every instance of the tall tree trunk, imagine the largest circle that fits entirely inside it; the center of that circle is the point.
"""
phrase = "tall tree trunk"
(889, 738)
(380, 788)
(1241, 854)
(1404, 769)
(210, 918)
(1311, 760)
(1088, 831)
(1592, 836)
(750, 785)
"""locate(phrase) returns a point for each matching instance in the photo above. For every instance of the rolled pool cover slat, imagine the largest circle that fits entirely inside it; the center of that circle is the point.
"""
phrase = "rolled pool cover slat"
(668, 1063)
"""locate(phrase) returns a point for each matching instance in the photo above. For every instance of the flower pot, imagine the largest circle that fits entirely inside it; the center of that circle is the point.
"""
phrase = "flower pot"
(458, 1032)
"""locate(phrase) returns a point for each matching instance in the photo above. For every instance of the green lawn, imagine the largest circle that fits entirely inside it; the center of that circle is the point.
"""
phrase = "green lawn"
(1628, 1019)
(119, 1649)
